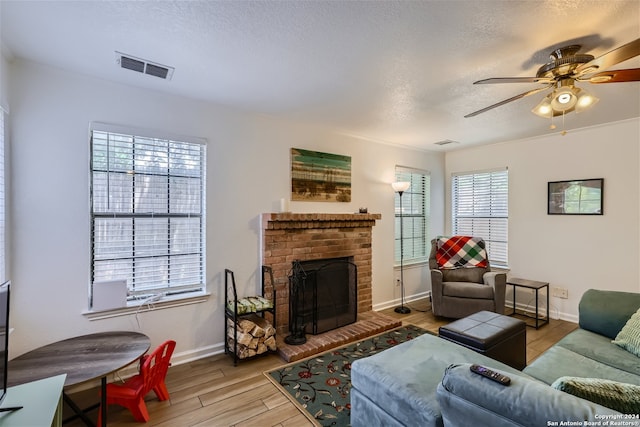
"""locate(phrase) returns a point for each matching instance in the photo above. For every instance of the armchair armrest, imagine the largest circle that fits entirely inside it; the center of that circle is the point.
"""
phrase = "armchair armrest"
(498, 281)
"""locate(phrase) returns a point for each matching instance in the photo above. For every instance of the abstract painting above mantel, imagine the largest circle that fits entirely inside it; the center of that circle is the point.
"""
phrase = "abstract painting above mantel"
(320, 177)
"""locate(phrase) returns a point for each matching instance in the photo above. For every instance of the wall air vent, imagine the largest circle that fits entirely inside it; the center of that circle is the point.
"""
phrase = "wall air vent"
(130, 62)
(446, 142)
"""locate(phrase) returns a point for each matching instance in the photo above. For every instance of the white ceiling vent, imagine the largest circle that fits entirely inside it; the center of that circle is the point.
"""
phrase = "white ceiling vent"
(446, 142)
(130, 62)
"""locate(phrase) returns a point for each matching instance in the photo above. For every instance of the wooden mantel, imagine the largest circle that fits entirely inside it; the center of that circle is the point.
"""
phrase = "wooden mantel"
(288, 220)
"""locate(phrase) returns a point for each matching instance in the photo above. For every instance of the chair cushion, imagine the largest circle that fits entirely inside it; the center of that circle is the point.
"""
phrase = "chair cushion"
(474, 275)
(622, 397)
(467, 290)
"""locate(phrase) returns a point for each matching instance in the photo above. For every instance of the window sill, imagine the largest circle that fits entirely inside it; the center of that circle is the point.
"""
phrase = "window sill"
(166, 302)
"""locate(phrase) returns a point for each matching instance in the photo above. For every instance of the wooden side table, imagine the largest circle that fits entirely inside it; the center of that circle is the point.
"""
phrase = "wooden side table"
(536, 286)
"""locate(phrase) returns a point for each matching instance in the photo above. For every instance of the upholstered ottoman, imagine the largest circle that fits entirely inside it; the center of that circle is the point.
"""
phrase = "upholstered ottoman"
(499, 337)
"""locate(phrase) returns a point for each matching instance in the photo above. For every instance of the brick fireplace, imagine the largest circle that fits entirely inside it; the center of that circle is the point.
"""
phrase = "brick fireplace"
(287, 237)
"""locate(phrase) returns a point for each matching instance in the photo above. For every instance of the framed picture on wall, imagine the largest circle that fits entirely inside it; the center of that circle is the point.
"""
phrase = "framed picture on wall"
(320, 177)
(577, 197)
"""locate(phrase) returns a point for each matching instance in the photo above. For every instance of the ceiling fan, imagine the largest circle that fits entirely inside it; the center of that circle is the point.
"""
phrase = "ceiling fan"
(565, 68)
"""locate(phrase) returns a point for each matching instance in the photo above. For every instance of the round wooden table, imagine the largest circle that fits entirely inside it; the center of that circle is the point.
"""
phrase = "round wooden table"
(83, 358)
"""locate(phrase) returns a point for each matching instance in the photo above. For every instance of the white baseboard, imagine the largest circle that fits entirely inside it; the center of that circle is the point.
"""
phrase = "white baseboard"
(196, 354)
(554, 313)
(396, 302)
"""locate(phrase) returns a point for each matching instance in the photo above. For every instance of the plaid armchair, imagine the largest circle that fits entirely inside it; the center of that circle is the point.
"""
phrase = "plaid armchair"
(462, 282)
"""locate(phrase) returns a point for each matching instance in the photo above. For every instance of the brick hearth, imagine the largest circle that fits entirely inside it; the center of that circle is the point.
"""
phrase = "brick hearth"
(368, 324)
(287, 237)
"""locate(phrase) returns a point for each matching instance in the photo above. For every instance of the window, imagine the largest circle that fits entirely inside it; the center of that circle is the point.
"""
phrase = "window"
(480, 208)
(147, 212)
(415, 216)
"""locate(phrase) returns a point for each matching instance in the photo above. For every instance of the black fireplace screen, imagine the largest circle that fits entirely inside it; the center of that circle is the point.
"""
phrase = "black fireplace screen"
(326, 296)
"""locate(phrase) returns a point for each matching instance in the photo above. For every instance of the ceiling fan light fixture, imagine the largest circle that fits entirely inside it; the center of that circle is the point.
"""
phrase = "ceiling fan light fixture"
(544, 109)
(566, 67)
(585, 100)
(564, 98)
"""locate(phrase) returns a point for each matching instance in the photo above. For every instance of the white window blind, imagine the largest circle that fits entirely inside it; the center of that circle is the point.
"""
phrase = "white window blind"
(415, 216)
(481, 209)
(148, 213)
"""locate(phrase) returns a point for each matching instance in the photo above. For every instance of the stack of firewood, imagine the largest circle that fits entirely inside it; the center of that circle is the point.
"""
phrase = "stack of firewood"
(256, 335)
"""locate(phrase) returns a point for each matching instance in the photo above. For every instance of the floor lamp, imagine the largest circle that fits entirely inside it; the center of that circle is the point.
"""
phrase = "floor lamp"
(401, 187)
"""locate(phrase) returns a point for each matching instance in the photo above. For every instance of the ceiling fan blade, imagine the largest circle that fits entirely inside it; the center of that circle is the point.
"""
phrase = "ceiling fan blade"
(513, 80)
(602, 62)
(506, 101)
(614, 76)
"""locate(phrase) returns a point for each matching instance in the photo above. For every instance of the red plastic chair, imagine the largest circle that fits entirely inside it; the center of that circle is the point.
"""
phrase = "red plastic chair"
(130, 394)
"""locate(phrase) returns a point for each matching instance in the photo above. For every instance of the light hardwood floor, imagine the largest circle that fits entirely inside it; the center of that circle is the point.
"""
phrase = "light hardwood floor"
(212, 392)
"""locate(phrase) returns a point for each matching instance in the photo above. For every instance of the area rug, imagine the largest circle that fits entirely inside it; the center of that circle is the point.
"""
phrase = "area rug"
(320, 385)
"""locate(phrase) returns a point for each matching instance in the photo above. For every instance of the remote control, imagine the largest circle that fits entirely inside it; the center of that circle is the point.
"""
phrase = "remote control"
(492, 375)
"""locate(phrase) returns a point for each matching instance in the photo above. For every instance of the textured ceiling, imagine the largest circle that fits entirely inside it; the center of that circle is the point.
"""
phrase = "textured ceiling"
(397, 72)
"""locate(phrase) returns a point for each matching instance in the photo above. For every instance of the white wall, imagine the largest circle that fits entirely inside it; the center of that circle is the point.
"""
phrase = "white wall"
(4, 79)
(247, 174)
(573, 252)
(4, 106)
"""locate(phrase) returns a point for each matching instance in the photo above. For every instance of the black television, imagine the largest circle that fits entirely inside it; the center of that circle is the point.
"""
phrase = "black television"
(4, 343)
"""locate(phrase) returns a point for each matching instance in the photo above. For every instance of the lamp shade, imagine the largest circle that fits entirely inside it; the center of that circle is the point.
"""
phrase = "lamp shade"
(400, 186)
(585, 100)
(544, 109)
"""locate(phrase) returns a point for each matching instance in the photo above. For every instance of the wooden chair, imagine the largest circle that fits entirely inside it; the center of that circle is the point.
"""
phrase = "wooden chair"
(131, 393)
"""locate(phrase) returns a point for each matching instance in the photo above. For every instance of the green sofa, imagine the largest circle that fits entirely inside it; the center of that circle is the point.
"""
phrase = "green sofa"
(427, 382)
(588, 351)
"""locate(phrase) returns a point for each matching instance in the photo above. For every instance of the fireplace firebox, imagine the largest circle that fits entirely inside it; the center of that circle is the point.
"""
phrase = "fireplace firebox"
(322, 296)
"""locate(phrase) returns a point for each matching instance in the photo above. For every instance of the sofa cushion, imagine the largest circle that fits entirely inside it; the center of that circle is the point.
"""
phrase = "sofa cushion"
(606, 312)
(600, 349)
(559, 361)
(622, 397)
(467, 290)
(629, 337)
